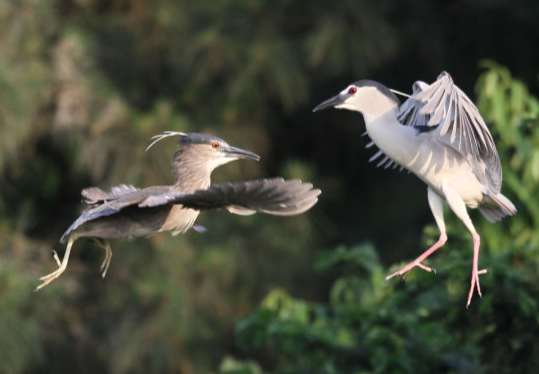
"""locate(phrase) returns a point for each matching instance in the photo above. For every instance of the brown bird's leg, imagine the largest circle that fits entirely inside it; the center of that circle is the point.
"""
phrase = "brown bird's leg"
(61, 266)
(108, 255)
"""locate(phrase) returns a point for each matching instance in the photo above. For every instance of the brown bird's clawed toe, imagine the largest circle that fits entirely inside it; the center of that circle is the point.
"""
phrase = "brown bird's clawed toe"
(108, 255)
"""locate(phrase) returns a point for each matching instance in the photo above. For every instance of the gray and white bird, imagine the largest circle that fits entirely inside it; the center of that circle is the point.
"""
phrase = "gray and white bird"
(128, 212)
(439, 135)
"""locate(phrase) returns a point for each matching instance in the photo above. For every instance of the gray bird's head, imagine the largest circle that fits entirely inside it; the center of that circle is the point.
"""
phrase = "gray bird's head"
(370, 98)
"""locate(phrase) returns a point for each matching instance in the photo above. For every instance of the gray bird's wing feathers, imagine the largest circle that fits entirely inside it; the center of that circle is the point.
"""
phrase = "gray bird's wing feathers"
(458, 124)
(271, 196)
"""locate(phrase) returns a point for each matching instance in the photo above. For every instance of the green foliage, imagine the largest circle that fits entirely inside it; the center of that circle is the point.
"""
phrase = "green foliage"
(84, 84)
(24, 74)
(232, 366)
(373, 326)
(15, 323)
(506, 103)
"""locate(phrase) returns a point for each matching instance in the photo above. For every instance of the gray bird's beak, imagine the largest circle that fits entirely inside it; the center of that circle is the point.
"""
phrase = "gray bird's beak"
(240, 153)
(330, 103)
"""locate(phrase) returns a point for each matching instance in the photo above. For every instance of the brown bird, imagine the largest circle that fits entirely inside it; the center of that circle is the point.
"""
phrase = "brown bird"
(129, 212)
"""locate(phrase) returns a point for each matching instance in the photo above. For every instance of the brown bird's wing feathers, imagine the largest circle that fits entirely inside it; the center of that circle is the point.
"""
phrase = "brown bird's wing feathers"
(95, 194)
(271, 196)
(102, 204)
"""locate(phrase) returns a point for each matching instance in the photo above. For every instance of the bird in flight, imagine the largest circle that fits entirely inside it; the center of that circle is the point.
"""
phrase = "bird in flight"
(439, 135)
(128, 212)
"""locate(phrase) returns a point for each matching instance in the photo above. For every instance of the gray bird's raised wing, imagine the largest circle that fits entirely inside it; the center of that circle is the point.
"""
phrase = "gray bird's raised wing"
(457, 123)
(271, 196)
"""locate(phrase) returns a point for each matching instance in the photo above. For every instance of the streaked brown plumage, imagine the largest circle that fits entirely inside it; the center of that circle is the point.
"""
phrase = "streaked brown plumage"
(127, 211)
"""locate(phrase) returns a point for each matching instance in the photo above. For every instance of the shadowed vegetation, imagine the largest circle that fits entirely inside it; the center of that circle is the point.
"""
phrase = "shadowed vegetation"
(84, 84)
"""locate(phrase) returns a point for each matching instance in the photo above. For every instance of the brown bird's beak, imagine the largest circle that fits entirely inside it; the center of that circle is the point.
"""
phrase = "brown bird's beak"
(234, 152)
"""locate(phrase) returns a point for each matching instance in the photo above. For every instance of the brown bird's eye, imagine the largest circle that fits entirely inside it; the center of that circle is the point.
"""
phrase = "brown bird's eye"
(352, 90)
(215, 145)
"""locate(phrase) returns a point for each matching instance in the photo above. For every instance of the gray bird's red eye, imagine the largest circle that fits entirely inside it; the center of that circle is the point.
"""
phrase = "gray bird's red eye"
(215, 145)
(352, 90)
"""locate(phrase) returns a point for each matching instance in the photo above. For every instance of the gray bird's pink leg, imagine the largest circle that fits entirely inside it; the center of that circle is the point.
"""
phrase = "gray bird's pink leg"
(459, 208)
(436, 203)
(418, 261)
(475, 272)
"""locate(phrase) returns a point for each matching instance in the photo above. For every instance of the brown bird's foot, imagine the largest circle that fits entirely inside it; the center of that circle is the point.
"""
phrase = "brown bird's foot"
(61, 266)
(418, 261)
(55, 256)
(475, 273)
(105, 265)
(108, 256)
(52, 276)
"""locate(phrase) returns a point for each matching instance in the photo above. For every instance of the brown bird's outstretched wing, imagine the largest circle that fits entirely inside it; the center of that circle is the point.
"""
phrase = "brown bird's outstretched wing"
(102, 204)
(94, 195)
(271, 196)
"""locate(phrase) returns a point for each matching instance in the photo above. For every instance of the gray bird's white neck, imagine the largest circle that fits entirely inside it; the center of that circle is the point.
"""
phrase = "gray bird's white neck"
(399, 142)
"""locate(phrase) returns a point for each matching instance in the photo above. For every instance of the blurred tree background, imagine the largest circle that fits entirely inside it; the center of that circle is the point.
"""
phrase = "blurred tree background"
(84, 84)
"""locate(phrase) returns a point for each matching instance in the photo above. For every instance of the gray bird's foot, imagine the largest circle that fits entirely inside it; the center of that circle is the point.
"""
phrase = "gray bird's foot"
(475, 273)
(405, 270)
(418, 261)
(475, 282)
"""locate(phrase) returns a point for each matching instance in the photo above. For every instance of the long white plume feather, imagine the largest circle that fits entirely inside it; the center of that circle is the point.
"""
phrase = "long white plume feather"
(164, 135)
